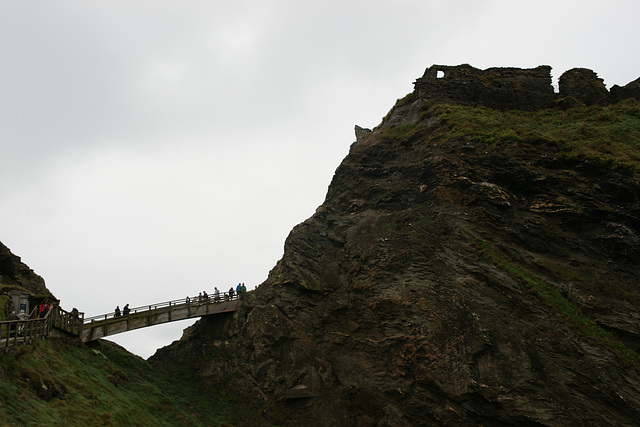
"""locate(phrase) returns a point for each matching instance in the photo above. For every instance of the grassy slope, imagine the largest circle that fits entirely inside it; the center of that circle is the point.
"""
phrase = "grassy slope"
(608, 134)
(54, 382)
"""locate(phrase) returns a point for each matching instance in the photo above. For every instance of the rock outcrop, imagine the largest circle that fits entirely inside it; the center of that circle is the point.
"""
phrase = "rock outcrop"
(631, 90)
(445, 283)
(15, 273)
(584, 85)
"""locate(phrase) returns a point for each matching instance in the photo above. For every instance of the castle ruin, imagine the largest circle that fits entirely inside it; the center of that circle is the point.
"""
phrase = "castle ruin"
(518, 88)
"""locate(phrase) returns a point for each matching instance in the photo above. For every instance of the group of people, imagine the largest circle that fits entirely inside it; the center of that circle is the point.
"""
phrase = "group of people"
(125, 311)
(240, 290)
(38, 312)
(204, 296)
(43, 309)
(20, 316)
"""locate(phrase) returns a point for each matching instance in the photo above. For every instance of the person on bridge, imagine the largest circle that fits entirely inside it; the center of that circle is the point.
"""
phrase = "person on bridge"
(117, 311)
(216, 294)
(22, 316)
(231, 293)
(41, 309)
(125, 309)
(47, 307)
(239, 289)
(13, 316)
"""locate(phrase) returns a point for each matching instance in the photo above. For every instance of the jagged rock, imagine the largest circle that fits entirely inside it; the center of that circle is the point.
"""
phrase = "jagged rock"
(583, 85)
(361, 132)
(631, 90)
(13, 272)
(385, 308)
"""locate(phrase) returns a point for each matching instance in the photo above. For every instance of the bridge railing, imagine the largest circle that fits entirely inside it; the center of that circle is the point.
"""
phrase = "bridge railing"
(14, 332)
(24, 331)
(70, 322)
(193, 301)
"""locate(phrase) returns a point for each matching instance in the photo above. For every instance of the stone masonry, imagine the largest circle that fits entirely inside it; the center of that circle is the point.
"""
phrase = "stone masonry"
(518, 88)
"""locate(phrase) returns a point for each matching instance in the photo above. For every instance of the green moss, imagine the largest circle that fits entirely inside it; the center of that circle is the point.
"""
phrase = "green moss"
(568, 312)
(400, 133)
(608, 134)
(587, 277)
(3, 301)
(408, 99)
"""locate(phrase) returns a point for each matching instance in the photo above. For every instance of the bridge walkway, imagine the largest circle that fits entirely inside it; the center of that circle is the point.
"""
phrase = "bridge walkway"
(59, 322)
(97, 327)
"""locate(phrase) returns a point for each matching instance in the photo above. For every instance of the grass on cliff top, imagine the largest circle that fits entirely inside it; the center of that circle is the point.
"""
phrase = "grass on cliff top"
(54, 382)
(571, 314)
(609, 134)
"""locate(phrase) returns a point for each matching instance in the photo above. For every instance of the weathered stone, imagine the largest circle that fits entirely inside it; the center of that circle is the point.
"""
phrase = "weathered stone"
(13, 272)
(583, 85)
(502, 88)
(361, 132)
(631, 90)
(518, 88)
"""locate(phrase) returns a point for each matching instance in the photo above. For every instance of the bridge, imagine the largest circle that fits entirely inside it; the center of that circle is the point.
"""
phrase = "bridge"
(58, 322)
(104, 325)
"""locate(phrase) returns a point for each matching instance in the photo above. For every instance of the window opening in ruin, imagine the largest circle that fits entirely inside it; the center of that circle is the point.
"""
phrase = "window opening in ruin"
(439, 74)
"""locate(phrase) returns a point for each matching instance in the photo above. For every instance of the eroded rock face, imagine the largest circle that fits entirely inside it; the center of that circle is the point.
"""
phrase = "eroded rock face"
(630, 90)
(585, 86)
(385, 311)
(13, 272)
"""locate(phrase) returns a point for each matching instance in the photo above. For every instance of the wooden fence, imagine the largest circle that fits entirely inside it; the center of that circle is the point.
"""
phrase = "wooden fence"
(14, 332)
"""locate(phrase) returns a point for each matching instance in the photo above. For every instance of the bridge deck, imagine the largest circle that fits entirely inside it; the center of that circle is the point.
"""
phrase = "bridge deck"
(95, 328)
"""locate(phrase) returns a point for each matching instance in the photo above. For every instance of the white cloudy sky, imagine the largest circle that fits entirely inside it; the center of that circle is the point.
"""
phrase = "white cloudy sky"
(153, 149)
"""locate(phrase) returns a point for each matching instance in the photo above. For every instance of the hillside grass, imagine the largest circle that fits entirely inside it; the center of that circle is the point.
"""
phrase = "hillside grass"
(54, 382)
(609, 134)
(588, 278)
(565, 309)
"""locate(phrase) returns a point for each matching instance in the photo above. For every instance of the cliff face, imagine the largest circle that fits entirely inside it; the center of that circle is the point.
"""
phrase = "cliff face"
(15, 273)
(452, 276)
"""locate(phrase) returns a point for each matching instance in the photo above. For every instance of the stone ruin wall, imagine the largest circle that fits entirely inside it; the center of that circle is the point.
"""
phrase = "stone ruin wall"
(518, 88)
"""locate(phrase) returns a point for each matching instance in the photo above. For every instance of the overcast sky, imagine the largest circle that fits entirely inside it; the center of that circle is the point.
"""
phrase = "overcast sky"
(154, 149)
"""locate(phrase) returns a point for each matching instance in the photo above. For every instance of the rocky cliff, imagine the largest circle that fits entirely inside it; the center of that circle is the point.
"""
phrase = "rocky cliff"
(468, 267)
(15, 273)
